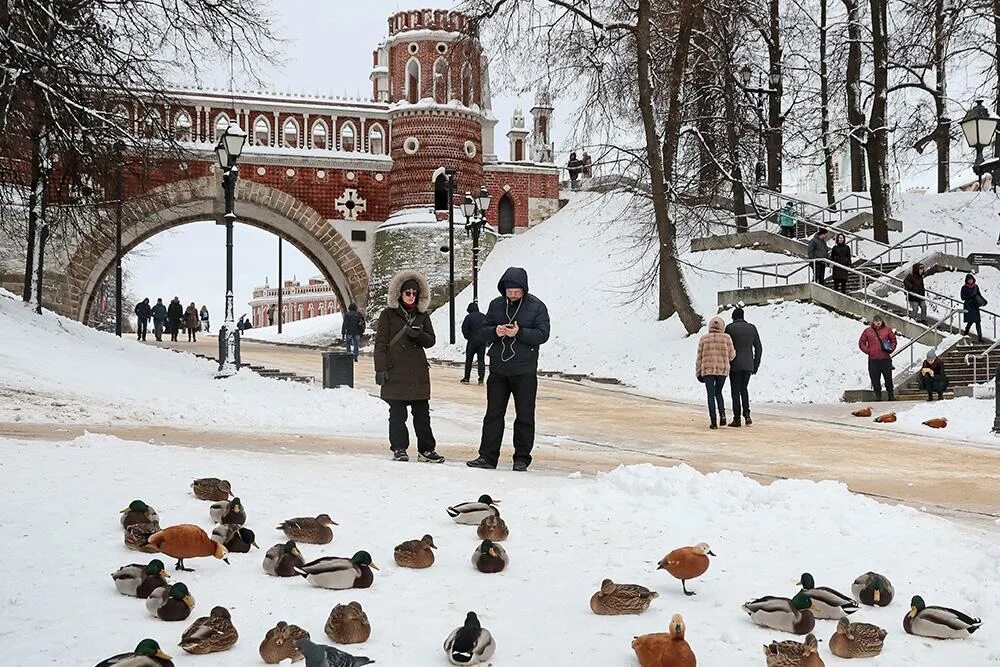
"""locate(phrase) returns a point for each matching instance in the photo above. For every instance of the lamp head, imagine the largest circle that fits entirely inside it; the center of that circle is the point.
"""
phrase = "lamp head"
(234, 138)
(468, 205)
(979, 125)
(483, 200)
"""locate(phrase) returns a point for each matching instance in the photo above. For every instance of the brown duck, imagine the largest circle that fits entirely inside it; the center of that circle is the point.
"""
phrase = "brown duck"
(279, 643)
(348, 624)
(493, 528)
(687, 563)
(856, 640)
(616, 599)
(308, 529)
(211, 488)
(417, 554)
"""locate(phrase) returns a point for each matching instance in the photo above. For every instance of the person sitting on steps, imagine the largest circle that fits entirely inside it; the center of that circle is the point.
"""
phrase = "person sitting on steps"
(932, 376)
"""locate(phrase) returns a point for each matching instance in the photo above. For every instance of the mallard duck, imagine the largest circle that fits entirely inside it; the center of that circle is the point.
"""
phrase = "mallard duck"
(687, 563)
(827, 603)
(137, 537)
(416, 554)
(665, 649)
(873, 589)
(790, 653)
(493, 528)
(490, 557)
(308, 529)
(170, 604)
(147, 653)
(138, 512)
(279, 643)
(469, 644)
(472, 514)
(186, 541)
(321, 655)
(614, 599)
(783, 614)
(938, 622)
(856, 640)
(210, 634)
(348, 624)
(130, 578)
(282, 559)
(211, 488)
(228, 511)
(340, 573)
(235, 538)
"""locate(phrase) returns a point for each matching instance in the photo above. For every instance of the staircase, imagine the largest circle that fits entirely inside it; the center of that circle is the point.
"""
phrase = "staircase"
(263, 371)
(958, 372)
(873, 271)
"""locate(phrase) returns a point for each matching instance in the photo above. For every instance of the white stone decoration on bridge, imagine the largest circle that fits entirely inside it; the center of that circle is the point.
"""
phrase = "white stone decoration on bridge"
(350, 204)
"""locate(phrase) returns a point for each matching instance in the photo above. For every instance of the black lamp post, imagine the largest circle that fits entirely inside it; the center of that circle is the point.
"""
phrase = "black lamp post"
(448, 190)
(228, 151)
(119, 194)
(774, 81)
(474, 210)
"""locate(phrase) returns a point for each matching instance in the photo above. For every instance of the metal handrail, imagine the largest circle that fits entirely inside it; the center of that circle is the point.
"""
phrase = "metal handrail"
(899, 245)
(985, 354)
(928, 329)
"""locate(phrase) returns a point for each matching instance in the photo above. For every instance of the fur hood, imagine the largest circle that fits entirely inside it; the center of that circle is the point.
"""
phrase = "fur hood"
(396, 286)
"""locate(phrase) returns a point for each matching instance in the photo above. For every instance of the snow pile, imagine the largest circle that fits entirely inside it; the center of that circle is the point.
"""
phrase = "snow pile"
(56, 370)
(322, 330)
(969, 420)
(566, 535)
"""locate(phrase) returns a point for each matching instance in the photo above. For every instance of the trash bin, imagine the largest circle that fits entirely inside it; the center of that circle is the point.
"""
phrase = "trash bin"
(338, 369)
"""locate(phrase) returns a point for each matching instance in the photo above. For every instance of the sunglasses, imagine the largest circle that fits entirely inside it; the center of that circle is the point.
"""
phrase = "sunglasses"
(410, 292)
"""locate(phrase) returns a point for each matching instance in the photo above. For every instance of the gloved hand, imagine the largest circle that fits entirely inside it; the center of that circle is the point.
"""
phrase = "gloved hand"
(381, 378)
(413, 332)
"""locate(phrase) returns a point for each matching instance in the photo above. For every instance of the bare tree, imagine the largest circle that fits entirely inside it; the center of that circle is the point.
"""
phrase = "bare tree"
(855, 109)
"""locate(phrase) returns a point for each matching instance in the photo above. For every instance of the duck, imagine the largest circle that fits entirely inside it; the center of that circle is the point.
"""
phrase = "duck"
(137, 537)
(470, 643)
(473, 513)
(210, 634)
(186, 540)
(873, 589)
(417, 554)
(170, 604)
(211, 488)
(887, 418)
(308, 529)
(147, 653)
(348, 624)
(493, 528)
(778, 613)
(490, 557)
(235, 538)
(321, 655)
(228, 511)
(279, 643)
(790, 653)
(282, 559)
(138, 512)
(938, 622)
(937, 422)
(863, 412)
(340, 573)
(665, 649)
(856, 640)
(615, 599)
(130, 578)
(687, 563)
(827, 603)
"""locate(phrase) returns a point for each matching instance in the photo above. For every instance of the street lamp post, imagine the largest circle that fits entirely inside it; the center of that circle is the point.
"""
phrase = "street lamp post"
(449, 184)
(474, 211)
(228, 151)
(774, 80)
(119, 194)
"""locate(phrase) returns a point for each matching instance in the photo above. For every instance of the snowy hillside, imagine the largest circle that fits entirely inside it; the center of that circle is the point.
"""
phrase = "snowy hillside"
(322, 330)
(57, 370)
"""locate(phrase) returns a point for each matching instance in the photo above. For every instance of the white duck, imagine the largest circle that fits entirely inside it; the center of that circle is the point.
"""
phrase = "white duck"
(473, 513)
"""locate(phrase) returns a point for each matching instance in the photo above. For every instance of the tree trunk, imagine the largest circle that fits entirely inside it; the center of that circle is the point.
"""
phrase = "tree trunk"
(775, 120)
(996, 65)
(38, 228)
(855, 114)
(878, 132)
(729, 98)
(673, 294)
(708, 170)
(36, 194)
(943, 130)
(824, 104)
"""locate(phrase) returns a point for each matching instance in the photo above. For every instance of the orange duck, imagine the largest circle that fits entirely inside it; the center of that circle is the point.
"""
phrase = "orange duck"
(687, 563)
(665, 649)
(863, 412)
(186, 541)
(887, 418)
(937, 422)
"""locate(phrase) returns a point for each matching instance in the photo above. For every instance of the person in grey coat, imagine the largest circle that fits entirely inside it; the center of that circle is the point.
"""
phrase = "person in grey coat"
(746, 340)
(819, 250)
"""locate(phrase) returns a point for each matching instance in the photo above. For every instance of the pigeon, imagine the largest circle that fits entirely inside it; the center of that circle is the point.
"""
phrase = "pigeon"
(320, 655)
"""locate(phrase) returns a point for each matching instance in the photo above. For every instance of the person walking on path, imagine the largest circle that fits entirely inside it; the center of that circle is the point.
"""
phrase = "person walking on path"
(916, 292)
(575, 166)
(159, 313)
(878, 341)
(586, 165)
(786, 220)
(191, 322)
(353, 329)
(819, 252)
(746, 341)
(475, 346)
(840, 255)
(204, 319)
(142, 314)
(932, 376)
(402, 334)
(973, 300)
(715, 352)
(175, 313)
(517, 324)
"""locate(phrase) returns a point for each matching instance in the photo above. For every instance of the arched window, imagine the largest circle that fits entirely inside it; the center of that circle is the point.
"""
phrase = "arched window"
(221, 124)
(301, 313)
(413, 81)
(319, 135)
(182, 126)
(505, 215)
(311, 311)
(284, 313)
(152, 124)
(330, 307)
(261, 132)
(467, 85)
(322, 308)
(442, 87)
(518, 150)
(290, 133)
(348, 138)
(376, 140)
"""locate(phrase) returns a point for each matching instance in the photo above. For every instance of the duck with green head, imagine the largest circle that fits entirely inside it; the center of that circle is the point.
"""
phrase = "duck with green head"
(827, 603)
(473, 513)
(228, 511)
(138, 512)
(139, 580)
(794, 615)
(938, 622)
(236, 538)
(490, 557)
(282, 559)
(147, 653)
(340, 573)
(170, 604)
(873, 589)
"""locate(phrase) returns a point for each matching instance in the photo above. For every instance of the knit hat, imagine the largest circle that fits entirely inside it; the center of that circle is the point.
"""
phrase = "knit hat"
(410, 284)
(931, 355)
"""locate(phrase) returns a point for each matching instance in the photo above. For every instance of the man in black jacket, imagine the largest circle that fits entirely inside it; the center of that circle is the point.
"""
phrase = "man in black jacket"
(517, 324)
(746, 340)
(143, 312)
(175, 313)
(475, 345)
(353, 329)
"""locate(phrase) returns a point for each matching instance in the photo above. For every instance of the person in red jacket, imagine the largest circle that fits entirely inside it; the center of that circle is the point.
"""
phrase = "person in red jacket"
(878, 341)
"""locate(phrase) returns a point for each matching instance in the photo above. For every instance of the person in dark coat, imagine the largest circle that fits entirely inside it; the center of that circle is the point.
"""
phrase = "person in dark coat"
(205, 322)
(175, 313)
(878, 341)
(142, 314)
(746, 340)
(973, 300)
(402, 334)
(574, 166)
(517, 324)
(913, 283)
(818, 250)
(191, 316)
(932, 376)
(840, 254)
(352, 329)
(475, 346)
(159, 313)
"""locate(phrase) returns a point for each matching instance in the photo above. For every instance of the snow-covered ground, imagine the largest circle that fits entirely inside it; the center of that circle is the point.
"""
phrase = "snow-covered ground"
(56, 370)
(322, 330)
(567, 534)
